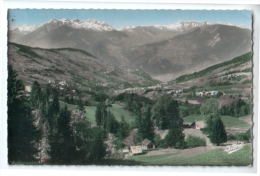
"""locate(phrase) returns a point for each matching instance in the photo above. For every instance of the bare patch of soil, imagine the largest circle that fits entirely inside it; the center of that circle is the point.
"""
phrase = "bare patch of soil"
(247, 119)
(234, 130)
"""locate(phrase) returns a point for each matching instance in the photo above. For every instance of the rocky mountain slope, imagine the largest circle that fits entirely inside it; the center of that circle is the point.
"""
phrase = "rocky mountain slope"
(164, 52)
(78, 68)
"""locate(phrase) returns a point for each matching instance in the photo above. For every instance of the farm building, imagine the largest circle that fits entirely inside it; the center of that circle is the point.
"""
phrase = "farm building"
(134, 150)
(146, 144)
(189, 125)
(199, 125)
(125, 151)
(27, 88)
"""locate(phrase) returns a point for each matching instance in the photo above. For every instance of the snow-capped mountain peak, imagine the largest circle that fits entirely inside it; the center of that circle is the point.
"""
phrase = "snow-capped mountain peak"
(89, 24)
(180, 26)
(23, 29)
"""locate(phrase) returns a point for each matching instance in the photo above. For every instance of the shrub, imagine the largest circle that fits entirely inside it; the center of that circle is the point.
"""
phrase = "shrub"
(119, 144)
(193, 141)
(244, 136)
(231, 137)
(246, 81)
(241, 136)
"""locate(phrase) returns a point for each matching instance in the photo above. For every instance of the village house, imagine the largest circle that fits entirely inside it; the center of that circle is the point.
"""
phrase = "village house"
(62, 83)
(134, 150)
(125, 151)
(51, 82)
(27, 88)
(71, 91)
(146, 144)
(199, 125)
(188, 125)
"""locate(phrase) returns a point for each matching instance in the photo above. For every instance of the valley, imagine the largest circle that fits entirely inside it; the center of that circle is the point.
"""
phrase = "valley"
(177, 94)
(163, 52)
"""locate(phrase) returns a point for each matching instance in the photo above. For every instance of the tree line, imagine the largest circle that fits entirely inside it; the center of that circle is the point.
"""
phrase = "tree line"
(69, 143)
(79, 142)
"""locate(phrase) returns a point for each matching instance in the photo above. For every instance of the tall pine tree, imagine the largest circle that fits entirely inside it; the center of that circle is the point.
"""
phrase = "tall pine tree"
(22, 134)
(175, 137)
(218, 134)
(146, 128)
(61, 141)
(101, 114)
(35, 95)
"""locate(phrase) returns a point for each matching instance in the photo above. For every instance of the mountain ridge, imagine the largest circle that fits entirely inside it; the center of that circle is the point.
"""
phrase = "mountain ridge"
(100, 26)
(163, 54)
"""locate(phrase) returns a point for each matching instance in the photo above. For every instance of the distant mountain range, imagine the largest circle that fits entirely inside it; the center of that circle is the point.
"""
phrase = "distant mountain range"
(101, 26)
(25, 29)
(163, 51)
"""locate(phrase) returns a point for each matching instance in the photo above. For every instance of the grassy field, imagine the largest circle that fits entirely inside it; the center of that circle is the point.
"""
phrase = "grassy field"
(118, 111)
(70, 106)
(216, 157)
(233, 121)
(227, 120)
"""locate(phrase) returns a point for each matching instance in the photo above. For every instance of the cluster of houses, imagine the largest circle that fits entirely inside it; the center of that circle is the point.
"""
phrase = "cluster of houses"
(147, 144)
(61, 86)
(173, 91)
(140, 89)
(230, 76)
(138, 149)
(209, 93)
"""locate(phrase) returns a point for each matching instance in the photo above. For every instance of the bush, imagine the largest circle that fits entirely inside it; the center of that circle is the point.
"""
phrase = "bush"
(193, 141)
(159, 143)
(247, 81)
(241, 136)
(231, 137)
(119, 144)
(244, 136)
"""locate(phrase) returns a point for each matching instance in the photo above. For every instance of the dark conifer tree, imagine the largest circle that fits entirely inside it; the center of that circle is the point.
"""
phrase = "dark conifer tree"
(101, 114)
(111, 124)
(219, 134)
(22, 134)
(123, 129)
(98, 148)
(159, 112)
(173, 114)
(175, 136)
(80, 106)
(55, 105)
(138, 119)
(35, 95)
(62, 145)
(146, 128)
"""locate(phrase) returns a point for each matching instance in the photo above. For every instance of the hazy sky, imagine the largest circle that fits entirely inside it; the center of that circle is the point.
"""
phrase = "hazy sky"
(122, 18)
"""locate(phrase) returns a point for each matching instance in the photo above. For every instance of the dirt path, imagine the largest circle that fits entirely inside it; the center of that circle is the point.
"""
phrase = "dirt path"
(234, 130)
(247, 119)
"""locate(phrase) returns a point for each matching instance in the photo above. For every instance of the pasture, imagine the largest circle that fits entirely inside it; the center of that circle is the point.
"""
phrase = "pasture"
(117, 110)
(228, 121)
(192, 157)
